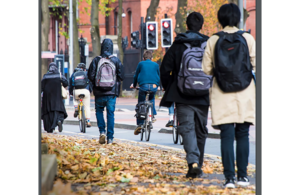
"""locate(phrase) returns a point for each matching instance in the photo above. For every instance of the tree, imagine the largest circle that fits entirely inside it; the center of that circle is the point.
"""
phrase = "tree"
(45, 19)
(95, 34)
(151, 11)
(180, 16)
(120, 38)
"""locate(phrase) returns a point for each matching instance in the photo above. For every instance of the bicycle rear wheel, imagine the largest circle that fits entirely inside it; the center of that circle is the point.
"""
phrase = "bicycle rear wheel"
(83, 120)
(142, 134)
(174, 128)
(147, 124)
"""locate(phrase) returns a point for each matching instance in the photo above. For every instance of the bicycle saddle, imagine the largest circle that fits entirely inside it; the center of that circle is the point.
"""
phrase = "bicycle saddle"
(81, 96)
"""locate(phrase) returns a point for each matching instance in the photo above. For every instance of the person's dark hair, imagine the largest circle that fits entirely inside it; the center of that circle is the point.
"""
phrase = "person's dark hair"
(229, 15)
(81, 65)
(147, 55)
(194, 21)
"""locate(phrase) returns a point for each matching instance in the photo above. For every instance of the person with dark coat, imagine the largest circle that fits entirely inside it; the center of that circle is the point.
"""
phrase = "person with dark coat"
(53, 109)
(191, 111)
(106, 98)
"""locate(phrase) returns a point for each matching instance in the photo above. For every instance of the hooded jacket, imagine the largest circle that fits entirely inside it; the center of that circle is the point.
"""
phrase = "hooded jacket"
(106, 50)
(170, 67)
(51, 88)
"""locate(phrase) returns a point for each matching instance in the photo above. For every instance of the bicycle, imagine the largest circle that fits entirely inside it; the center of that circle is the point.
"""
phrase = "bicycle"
(81, 114)
(174, 129)
(147, 126)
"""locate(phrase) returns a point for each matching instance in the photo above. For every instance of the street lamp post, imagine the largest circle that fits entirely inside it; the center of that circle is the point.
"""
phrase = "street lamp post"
(82, 43)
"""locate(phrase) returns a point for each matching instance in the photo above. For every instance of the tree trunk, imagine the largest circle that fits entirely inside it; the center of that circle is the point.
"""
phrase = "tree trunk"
(180, 18)
(120, 39)
(95, 34)
(76, 56)
(246, 13)
(45, 19)
(151, 11)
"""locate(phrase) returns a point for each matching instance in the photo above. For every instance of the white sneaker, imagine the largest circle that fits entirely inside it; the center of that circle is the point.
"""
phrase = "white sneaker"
(229, 183)
(243, 181)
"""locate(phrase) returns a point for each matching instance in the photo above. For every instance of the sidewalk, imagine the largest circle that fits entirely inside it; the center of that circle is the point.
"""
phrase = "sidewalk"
(124, 117)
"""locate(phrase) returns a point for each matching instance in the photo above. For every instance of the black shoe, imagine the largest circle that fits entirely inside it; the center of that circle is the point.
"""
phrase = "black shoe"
(88, 124)
(194, 171)
(170, 123)
(76, 113)
(60, 128)
(229, 183)
(243, 181)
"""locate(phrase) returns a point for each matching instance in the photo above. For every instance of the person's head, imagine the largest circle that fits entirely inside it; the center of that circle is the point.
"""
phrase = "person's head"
(107, 48)
(147, 55)
(194, 21)
(229, 15)
(82, 66)
(52, 67)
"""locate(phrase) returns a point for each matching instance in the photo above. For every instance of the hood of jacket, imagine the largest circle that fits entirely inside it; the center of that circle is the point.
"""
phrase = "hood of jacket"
(193, 37)
(53, 69)
(107, 48)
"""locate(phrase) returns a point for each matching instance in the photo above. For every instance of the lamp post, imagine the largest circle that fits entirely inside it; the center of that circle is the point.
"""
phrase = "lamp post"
(82, 43)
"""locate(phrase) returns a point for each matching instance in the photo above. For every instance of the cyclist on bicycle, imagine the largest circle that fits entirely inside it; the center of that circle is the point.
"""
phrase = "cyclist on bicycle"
(79, 80)
(147, 76)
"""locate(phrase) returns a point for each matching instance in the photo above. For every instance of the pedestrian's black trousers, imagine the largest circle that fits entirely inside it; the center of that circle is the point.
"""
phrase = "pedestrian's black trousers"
(192, 127)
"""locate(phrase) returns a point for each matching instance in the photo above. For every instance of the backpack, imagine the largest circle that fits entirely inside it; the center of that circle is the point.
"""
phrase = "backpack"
(233, 70)
(192, 80)
(141, 111)
(106, 74)
(80, 79)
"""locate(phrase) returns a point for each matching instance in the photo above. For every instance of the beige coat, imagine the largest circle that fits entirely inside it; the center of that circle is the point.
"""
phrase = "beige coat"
(233, 107)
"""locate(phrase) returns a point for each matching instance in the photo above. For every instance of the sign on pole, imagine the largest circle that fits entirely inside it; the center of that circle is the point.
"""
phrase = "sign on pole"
(60, 61)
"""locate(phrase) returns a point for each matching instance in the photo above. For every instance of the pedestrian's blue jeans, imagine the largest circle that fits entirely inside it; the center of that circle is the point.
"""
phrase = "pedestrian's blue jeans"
(109, 102)
(142, 97)
(171, 109)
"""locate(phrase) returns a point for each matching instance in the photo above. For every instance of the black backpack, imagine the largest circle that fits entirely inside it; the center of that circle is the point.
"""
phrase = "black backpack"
(141, 111)
(80, 79)
(233, 70)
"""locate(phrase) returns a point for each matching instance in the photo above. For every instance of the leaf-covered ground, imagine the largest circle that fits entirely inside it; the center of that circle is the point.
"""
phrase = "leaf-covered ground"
(86, 167)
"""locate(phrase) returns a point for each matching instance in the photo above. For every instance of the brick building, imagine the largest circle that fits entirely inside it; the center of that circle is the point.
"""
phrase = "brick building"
(134, 10)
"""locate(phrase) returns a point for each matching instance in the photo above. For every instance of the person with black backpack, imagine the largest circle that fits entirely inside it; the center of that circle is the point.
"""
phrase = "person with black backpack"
(188, 87)
(106, 73)
(80, 83)
(230, 58)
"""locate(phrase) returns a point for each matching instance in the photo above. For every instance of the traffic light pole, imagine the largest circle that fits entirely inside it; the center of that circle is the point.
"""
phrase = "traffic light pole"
(166, 16)
(142, 38)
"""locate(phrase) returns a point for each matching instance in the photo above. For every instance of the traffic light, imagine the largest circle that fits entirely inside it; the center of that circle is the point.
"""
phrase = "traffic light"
(151, 35)
(135, 39)
(166, 32)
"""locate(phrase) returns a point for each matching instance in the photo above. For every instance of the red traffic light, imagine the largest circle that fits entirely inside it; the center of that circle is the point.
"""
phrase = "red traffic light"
(151, 27)
(166, 24)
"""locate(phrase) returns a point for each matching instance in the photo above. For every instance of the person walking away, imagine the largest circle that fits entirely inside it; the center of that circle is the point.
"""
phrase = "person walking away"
(147, 76)
(106, 73)
(80, 83)
(230, 58)
(53, 109)
(188, 87)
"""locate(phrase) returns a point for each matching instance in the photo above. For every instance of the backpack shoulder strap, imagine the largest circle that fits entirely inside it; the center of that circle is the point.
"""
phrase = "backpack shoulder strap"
(187, 44)
(240, 32)
(220, 34)
(203, 45)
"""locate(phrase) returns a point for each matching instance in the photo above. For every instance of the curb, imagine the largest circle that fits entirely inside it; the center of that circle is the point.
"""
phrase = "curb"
(49, 170)
(132, 127)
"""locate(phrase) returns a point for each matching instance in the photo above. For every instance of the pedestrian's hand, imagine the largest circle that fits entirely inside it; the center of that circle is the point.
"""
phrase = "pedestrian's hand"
(163, 89)
(131, 86)
(158, 88)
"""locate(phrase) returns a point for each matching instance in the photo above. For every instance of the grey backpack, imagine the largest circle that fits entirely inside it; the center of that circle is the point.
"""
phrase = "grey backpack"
(192, 80)
(106, 74)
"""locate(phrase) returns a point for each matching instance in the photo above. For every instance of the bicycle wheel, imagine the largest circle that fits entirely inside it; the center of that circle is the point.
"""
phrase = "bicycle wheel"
(174, 128)
(142, 134)
(147, 124)
(80, 117)
(83, 120)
